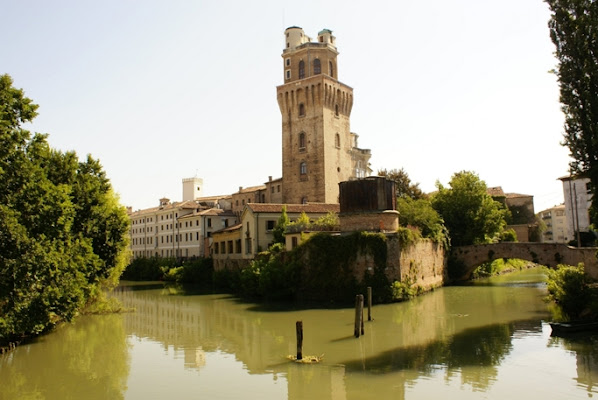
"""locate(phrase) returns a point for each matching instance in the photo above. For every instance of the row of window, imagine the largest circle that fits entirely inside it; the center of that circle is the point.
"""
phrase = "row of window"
(302, 110)
(188, 237)
(227, 247)
(302, 141)
(317, 68)
(151, 219)
(178, 225)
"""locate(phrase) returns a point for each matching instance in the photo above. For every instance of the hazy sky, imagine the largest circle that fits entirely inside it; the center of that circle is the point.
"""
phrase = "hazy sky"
(159, 91)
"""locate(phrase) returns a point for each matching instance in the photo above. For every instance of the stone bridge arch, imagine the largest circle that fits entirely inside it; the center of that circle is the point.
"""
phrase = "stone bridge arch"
(549, 254)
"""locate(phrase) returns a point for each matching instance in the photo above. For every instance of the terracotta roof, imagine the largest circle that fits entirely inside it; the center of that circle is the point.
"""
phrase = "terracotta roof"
(251, 189)
(294, 208)
(189, 204)
(229, 229)
(514, 195)
(495, 191)
(274, 180)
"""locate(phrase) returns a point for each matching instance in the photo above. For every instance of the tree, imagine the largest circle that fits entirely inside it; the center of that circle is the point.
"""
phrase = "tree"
(63, 234)
(281, 226)
(574, 32)
(420, 214)
(404, 187)
(469, 212)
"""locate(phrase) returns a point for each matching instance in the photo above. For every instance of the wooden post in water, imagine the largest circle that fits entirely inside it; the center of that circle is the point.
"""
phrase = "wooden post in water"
(299, 329)
(361, 309)
(358, 315)
(369, 303)
(357, 331)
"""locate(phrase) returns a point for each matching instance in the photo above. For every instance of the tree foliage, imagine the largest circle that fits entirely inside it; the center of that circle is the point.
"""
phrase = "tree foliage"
(63, 234)
(281, 226)
(469, 212)
(574, 32)
(421, 215)
(404, 186)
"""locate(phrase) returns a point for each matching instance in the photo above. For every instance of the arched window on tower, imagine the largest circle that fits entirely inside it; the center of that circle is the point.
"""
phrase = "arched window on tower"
(303, 168)
(301, 110)
(331, 69)
(317, 67)
(302, 141)
(301, 69)
(337, 141)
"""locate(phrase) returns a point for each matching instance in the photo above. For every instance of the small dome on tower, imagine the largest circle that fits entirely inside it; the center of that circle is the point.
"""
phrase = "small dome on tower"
(294, 36)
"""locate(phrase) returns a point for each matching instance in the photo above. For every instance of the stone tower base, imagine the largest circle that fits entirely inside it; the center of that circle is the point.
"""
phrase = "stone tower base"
(376, 221)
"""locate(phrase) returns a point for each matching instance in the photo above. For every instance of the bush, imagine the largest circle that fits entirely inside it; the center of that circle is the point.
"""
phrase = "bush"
(508, 235)
(148, 269)
(570, 288)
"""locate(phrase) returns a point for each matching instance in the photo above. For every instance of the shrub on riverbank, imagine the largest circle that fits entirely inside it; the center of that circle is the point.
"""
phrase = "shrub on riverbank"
(500, 266)
(194, 271)
(573, 292)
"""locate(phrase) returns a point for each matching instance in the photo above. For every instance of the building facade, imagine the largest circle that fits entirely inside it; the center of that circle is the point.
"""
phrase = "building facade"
(555, 220)
(578, 199)
(317, 144)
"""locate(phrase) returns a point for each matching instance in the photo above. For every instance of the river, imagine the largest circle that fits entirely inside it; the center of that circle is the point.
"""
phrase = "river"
(487, 340)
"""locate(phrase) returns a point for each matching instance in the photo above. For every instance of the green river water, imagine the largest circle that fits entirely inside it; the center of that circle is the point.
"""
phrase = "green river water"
(488, 340)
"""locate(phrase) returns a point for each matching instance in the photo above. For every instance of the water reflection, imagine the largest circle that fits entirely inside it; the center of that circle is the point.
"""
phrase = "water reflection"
(486, 338)
(88, 359)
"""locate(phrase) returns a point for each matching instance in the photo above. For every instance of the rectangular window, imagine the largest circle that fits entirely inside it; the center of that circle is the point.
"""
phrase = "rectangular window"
(238, 246)
(230, 247)
(209, 222)
(288, 72)
(270, 225)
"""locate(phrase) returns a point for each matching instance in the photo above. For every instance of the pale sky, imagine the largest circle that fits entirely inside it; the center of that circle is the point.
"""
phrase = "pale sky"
(159, 91)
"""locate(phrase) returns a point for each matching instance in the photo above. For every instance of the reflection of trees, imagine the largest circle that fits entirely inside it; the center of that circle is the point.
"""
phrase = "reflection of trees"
(483, 348)
(585, 348)
(96, 366)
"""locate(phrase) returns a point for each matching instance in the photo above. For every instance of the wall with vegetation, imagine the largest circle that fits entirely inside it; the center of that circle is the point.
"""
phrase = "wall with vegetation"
(421, 263)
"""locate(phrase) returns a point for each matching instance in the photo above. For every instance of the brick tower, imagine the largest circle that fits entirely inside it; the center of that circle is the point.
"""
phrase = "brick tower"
(318, 148)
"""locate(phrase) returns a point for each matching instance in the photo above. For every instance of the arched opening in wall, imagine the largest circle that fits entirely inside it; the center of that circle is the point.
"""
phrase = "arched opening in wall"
(331, 69)
(302, 141)
(317, 67)
(337, 141)
(301, 110)
(303, 168)
(304, 200)
(336, 110)
(301, 69)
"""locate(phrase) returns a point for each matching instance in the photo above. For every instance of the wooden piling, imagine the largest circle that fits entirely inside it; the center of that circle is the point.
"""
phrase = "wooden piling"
(358, 315)
(361, 308)
(299, 329)
(369, 303)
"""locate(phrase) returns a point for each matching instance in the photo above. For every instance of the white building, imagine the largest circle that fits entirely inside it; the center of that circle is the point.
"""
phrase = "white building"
(555, 220)
(578, 199)
(180, 229)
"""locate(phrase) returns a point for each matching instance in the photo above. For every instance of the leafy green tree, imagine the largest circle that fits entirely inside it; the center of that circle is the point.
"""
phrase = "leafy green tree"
(301, 224)
(421, 215)
(328, 222)
(63, 234)
(574, 32)
(281, 226)
(404, 186)
(469, 212)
